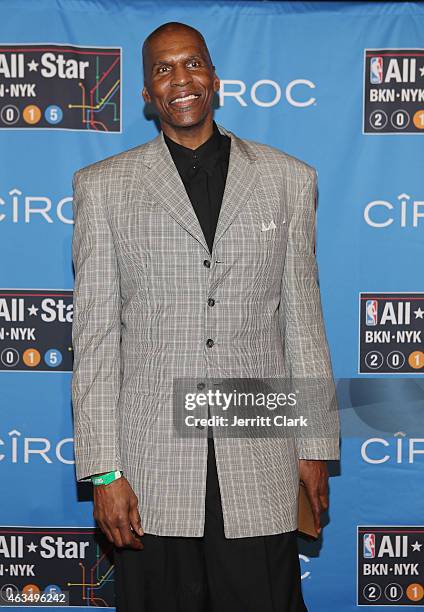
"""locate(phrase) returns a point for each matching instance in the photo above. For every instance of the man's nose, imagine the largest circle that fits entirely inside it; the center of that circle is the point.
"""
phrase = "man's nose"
(181, 75)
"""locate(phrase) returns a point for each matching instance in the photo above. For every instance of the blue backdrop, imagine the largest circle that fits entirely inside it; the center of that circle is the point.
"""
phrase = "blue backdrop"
(339, 85)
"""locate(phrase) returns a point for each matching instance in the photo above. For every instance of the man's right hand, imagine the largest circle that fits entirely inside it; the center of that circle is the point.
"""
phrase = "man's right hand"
(116, 512)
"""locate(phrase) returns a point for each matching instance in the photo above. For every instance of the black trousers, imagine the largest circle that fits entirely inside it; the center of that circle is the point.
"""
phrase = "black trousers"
(211, 573)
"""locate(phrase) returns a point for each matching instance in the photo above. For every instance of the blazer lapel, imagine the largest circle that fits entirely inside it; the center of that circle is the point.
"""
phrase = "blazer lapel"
(241, 180)
(164, 183)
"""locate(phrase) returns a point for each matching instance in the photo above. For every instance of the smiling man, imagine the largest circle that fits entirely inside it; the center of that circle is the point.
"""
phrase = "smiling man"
(184, 108)
(194, 257)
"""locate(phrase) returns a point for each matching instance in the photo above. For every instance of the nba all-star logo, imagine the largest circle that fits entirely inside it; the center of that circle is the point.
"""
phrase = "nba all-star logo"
(393, 91)
(35, 330)
(55, 566)
(60, 87)
(390, 562)
(391, 333)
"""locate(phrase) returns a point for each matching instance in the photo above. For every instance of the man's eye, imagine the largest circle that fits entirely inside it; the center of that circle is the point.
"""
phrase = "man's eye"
(194, 63)
(162, 68)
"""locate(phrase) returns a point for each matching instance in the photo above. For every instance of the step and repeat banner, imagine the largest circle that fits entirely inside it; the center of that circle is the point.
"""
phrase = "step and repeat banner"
(339, 85)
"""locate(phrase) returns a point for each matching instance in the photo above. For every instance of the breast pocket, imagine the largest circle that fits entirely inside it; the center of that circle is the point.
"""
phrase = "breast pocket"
(267, 216)
(268, 230)
(261, 238)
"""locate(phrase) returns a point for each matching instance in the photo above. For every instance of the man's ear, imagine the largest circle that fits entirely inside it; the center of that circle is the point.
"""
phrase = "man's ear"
(146, 95)
(216, 83)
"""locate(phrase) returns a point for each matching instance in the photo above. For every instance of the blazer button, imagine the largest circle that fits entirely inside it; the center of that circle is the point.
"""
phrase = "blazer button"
(211, 302)
(201, 385)
(209, 342)
(207, 263)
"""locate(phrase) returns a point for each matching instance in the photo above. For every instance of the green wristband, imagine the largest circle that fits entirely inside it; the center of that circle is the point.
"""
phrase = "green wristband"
(105, 479)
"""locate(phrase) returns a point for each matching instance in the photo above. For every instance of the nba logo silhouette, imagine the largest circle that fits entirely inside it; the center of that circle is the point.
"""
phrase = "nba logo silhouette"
(369, 545)
(376, 70)
(371, 309)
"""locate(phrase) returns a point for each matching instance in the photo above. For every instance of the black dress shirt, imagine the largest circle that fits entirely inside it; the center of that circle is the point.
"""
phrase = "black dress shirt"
(204, 172)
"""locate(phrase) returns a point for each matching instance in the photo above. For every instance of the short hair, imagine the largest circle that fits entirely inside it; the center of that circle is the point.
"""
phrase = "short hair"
(172, 25)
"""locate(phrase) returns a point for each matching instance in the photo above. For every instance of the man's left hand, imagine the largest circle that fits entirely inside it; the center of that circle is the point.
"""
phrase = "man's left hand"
(314, 475)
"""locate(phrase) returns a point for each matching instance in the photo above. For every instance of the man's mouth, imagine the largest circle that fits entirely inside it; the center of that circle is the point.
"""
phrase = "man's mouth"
(185, 98)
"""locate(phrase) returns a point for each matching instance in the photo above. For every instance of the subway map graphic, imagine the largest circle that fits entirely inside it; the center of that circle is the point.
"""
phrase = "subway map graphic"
(51, 86)
(56, 566)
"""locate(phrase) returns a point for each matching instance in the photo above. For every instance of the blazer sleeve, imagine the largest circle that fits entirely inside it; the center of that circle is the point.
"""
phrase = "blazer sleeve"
(95, 335)
(307, 354)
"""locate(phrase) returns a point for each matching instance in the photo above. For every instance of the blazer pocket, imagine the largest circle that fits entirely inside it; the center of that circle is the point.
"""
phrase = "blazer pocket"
(269, 230)
(269, 218)
(267, 233)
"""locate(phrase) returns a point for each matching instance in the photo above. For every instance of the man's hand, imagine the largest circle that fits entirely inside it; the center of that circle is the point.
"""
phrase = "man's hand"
(314, 475)
(116, 512)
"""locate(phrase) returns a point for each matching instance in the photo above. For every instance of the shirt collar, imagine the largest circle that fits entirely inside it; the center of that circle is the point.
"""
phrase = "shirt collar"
(205, 156)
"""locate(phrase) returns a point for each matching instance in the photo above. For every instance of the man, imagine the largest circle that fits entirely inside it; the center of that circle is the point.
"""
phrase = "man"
(194, 257)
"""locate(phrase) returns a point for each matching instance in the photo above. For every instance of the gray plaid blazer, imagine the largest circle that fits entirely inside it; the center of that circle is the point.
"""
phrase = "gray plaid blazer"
(141, 319)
